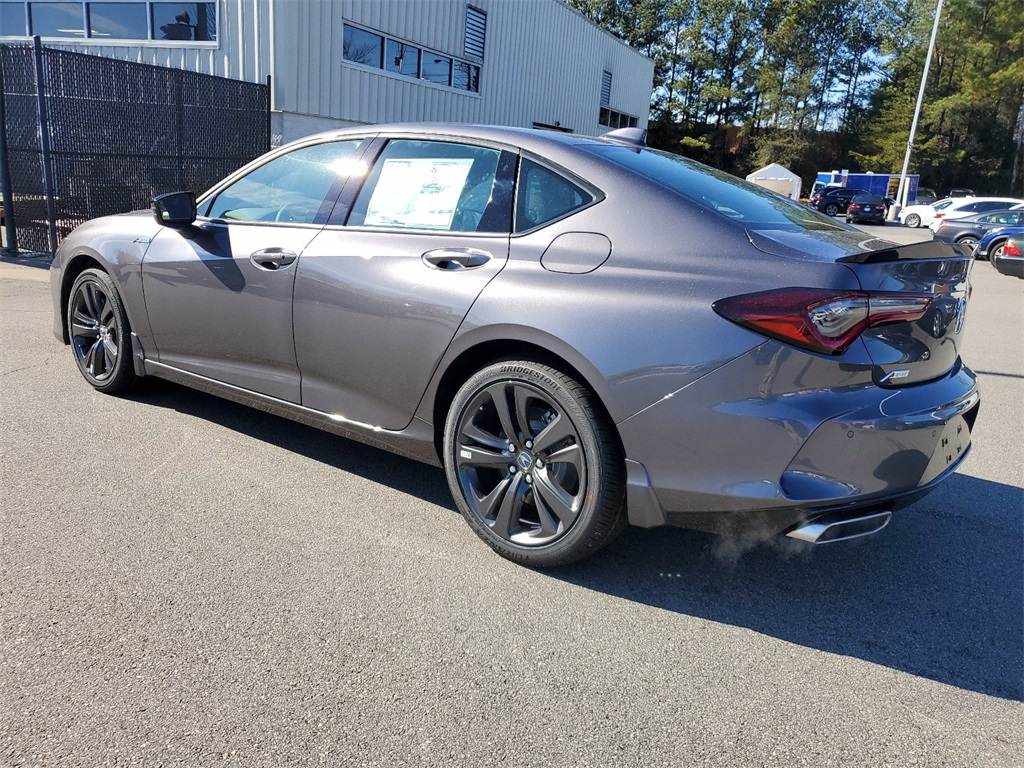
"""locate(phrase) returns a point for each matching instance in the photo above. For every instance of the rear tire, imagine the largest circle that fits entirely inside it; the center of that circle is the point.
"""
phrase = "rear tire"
(99, 332)
(913, 221)
(995, 250)
(831, 209)
(967, 240)
(534, 464)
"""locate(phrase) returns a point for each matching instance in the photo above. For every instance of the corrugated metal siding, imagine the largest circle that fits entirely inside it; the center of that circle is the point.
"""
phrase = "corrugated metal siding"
(544, 62)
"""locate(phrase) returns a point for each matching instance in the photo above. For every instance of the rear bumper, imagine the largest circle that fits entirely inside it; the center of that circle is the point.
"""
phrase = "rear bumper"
(719, 458)
(1010, 265)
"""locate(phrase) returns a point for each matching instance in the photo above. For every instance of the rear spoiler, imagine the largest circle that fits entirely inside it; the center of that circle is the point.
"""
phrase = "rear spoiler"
(932, 249)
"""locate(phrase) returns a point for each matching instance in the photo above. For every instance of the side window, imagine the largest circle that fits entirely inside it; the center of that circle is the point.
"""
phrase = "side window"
(544, 196)
(288, 189)
(437, 185)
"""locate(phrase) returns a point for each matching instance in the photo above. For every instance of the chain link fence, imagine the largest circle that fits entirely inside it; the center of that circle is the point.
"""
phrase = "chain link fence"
(86, 136)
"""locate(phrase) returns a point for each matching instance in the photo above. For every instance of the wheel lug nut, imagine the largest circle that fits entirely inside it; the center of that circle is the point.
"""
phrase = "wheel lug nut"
(529, 443)
(529, 478)
(540, 464)
(512, 447)
(512, 468)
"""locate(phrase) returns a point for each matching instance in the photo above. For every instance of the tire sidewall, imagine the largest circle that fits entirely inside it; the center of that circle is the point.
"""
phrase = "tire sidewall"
(576, 542)
(124, 371)
(831, 210)
(913, 221)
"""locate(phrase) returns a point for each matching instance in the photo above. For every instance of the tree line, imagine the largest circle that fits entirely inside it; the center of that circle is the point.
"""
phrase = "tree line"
(827, 84)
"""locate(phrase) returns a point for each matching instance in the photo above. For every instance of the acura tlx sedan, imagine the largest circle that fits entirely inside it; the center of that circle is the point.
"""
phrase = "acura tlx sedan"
(585, 333)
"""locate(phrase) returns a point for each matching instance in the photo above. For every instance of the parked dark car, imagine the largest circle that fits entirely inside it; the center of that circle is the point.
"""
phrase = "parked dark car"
(926, 196)
(1010, 258)
(991, 242)
(960, 192)
(835, 200)
(970, 229)
(547, 317)
(866, 208)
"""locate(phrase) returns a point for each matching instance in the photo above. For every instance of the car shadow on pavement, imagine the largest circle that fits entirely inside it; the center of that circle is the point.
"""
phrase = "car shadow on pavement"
(406, 475)
(938, 594)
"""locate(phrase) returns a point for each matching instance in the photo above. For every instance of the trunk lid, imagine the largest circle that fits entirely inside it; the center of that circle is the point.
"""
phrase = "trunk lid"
(903, 353)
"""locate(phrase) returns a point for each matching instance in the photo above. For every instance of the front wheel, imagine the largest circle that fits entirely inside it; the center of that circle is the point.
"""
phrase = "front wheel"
(99, 332)
(913, 221)
(534, 464)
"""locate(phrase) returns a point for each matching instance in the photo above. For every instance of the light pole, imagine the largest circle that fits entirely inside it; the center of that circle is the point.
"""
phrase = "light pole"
(901, 192)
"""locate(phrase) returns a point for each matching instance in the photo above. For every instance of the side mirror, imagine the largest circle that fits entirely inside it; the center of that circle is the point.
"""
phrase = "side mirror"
(175, 209)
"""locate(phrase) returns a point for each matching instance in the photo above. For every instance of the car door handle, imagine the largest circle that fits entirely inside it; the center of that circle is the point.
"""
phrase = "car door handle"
(272, 258)
(456, 258)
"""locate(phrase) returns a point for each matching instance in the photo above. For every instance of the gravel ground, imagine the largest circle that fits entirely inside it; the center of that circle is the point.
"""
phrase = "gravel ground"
(188, 582)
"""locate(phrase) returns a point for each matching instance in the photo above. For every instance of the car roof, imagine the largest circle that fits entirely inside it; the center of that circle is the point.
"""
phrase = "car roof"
(532, 139)
(971, 200)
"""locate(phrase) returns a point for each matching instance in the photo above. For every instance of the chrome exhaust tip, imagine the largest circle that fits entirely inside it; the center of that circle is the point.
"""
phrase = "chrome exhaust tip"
(840, 526)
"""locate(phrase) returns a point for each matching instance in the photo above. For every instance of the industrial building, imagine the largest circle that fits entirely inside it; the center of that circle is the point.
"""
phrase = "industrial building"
(525, 63)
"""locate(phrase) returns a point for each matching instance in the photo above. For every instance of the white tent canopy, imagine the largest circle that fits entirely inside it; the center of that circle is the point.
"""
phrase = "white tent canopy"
(777, 178)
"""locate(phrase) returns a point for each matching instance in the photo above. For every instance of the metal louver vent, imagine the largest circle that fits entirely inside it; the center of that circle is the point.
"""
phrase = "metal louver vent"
(606, 89)
(476, 32)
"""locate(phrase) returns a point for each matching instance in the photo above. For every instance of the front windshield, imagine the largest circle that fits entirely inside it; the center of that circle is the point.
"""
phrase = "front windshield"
(727, 195)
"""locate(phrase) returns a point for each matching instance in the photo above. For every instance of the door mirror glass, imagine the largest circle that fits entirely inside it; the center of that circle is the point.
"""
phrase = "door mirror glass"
(175, 209)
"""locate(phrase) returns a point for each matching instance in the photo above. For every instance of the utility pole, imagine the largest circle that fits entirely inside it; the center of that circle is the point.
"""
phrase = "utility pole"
(901, 193)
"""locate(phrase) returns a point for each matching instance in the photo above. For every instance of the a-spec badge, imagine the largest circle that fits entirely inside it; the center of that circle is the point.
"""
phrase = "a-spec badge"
(893, 375)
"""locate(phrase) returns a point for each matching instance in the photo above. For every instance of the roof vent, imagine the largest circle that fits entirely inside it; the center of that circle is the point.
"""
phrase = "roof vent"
(636, 137)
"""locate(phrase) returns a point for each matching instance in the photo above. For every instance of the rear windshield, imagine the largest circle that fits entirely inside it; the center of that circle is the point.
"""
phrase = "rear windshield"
(869, 199)
(732, 197)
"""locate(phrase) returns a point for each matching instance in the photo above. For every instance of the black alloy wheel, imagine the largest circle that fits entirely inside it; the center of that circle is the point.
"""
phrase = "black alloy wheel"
(99, 332)
(533, 464)
(832, 209)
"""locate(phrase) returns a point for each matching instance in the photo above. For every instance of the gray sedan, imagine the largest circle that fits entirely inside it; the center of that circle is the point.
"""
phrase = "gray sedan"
(585, 333)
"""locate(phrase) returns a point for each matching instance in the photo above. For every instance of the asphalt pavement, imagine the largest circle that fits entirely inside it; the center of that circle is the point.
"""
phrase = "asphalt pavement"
(185, 581)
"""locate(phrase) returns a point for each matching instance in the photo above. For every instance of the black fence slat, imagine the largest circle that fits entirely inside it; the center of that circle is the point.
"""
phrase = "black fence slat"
(119, 133)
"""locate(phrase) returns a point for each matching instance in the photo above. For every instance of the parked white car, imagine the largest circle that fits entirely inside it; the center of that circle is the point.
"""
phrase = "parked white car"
(969, 206)
(923, 215)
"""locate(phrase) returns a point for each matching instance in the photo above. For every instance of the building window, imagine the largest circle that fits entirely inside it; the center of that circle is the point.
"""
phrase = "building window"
(606, 88)
(184, 21)
(401, 58)
(110, 21)
(121, 21)
(437, 69)
(57, 19)
(613, 119)
(476, 32)
(373, 49)
(361, 46)
(13, 20)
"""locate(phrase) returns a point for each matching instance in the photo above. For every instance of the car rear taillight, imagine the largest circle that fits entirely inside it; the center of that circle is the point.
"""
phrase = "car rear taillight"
(938, 215)
(819, 320)
(1011, 249)
(854, 205)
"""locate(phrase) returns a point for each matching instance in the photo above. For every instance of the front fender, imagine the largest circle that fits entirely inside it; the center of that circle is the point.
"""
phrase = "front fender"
(117, 244)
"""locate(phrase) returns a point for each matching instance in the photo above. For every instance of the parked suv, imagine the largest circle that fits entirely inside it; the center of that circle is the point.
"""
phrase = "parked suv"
(870, 208)
(836, 200)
